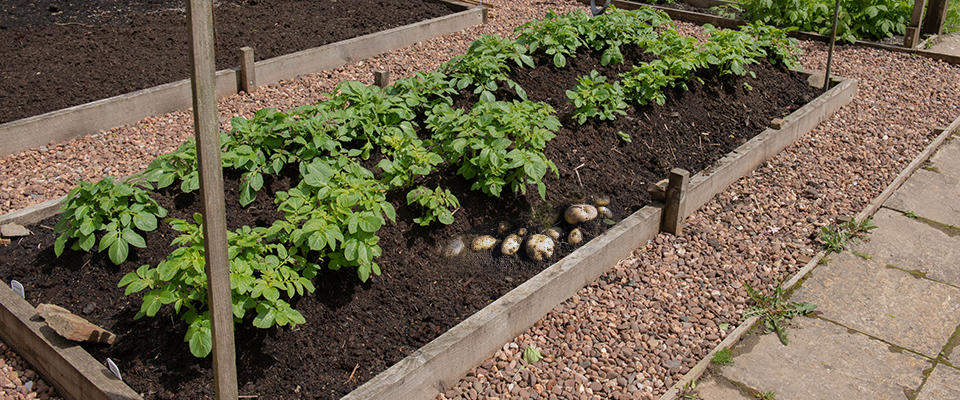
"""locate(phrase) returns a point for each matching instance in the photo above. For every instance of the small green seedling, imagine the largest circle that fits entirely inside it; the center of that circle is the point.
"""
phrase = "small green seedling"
(689, 391)
(911, 215)
(768, 395)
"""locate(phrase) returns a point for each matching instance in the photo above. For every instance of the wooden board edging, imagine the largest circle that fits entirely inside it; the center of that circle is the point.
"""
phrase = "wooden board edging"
(767, 144)
(62, 363)
(84, 119)
(438, 365)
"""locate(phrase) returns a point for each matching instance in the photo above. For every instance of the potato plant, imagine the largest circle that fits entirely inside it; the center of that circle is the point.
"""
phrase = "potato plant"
(115, 210)
(261, 270)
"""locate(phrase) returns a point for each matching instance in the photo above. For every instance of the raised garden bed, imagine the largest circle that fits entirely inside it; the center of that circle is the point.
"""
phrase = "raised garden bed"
(355, 330)
(111, 75)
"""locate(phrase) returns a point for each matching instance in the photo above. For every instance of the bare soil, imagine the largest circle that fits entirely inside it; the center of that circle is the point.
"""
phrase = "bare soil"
(355, 330)
(59, 54)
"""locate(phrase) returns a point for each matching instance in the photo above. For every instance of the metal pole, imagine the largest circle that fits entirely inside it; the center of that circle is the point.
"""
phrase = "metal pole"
(206, 130)
(833, 39)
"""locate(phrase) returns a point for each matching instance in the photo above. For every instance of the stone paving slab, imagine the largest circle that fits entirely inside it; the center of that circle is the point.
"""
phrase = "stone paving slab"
(887, 303)
(947, 158)
(943, 383)
(913, 245)
(825, 361)
(712, 389)
(931, 195)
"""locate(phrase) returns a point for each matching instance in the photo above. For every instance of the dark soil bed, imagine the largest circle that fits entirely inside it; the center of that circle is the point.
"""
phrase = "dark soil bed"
(355, 330)
(59, 54)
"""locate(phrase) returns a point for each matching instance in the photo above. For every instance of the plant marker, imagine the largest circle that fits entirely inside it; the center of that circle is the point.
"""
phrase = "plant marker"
(113, 368)
(17, 287)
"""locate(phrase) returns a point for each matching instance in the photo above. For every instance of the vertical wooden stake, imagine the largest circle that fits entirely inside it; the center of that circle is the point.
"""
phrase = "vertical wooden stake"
(381, 78)
(248, 70)
(676, 193)
(912, 37)
(936, 15)
(203, 85)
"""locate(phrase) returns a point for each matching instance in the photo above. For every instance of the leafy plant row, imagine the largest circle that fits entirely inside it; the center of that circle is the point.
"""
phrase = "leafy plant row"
(857, 19)
(412, 129)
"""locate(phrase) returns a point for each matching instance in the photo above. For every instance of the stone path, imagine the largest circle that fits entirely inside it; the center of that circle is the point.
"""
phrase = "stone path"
(888, 324)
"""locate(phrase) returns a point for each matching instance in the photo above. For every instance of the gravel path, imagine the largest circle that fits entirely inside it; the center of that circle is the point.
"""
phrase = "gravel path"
(638, 328)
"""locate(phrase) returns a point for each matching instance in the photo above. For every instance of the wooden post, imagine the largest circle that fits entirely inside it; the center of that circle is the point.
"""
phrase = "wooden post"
(912, 37)
(248, 70)
(381, 78)
(936, 15)
(203, 84)
(676, 192)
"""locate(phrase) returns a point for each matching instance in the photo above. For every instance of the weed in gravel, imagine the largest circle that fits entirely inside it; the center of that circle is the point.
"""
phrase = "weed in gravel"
(774, 310)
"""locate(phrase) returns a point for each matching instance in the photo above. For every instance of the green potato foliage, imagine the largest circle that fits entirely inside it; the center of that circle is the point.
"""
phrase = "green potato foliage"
(262, 270)
(116, 210)
(594, 97)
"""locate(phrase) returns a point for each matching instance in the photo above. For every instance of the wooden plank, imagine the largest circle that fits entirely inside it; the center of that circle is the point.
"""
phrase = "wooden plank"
(89, 118)
(440, 364)
(62, 363)
(766, 145)
(356, 49)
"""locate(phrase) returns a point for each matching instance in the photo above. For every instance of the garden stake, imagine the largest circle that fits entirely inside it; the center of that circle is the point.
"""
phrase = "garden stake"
(206, 130)
(833, 39)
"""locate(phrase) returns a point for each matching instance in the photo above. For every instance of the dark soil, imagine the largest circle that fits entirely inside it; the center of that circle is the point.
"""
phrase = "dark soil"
(60, 53)
(355, 330)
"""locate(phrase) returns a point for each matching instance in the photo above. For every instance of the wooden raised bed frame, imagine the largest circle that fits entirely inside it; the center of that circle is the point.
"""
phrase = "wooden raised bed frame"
(85, 119)
(438, 365)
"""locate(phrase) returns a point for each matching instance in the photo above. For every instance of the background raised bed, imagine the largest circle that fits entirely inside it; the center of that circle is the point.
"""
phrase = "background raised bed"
(115, 77)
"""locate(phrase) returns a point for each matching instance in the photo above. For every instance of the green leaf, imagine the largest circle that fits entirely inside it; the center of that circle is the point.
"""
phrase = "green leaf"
(199, 336)
(559, 60)
(145, 221)
(531, 355)
(134, 238)
(118, 251)
(266, 316)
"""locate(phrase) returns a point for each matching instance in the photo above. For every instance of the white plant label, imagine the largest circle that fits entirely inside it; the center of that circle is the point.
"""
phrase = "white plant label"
(113, 368)
(17, 287)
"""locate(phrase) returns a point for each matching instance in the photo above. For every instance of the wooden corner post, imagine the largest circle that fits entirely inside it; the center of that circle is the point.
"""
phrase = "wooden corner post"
(381, 78)
(248, 70)
(676, 193)
(206, 126)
